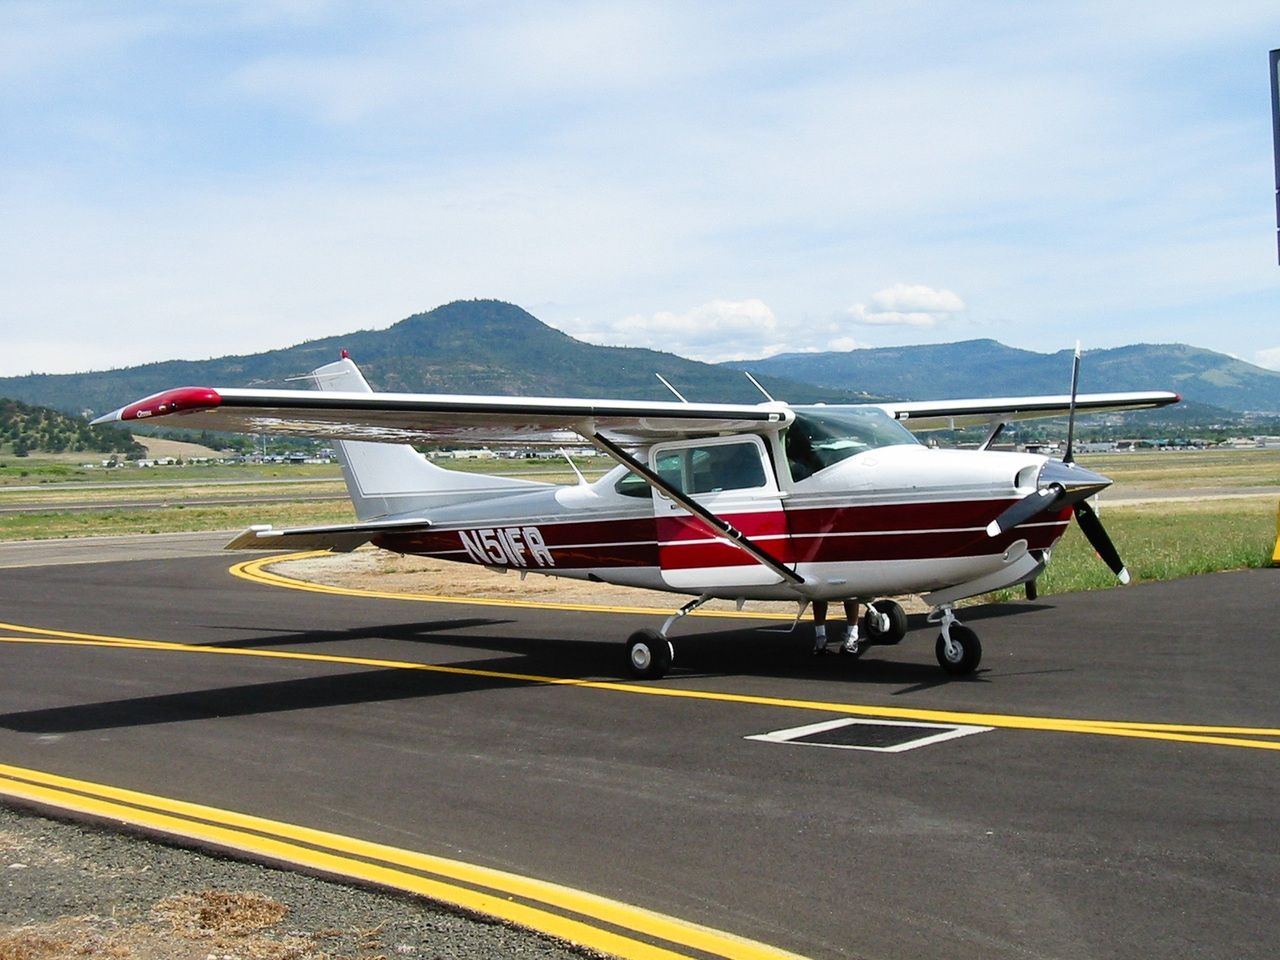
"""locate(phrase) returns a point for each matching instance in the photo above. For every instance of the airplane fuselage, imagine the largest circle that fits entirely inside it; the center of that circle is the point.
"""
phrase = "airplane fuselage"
(893, 520)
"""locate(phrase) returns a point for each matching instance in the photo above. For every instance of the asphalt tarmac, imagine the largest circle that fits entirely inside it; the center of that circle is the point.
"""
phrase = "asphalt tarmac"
(1122, 804)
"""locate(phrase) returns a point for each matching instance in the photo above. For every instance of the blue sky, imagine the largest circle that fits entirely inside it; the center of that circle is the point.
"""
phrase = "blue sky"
(721, 180)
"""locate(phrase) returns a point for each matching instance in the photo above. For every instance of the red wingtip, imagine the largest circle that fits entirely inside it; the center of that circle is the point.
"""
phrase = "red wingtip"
(172, 401)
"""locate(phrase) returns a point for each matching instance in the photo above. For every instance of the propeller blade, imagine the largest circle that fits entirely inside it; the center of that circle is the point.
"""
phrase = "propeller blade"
(1097, 537)
(1069, 456)
(1029, 506)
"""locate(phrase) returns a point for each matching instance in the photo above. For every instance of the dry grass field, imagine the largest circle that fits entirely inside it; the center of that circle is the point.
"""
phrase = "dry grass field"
(1170, 515)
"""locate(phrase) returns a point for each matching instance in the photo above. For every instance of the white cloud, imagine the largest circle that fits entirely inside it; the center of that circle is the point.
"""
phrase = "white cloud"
(719, 330)
(253, 173)
(917, 298)
(846, 344)
(1269, 358)
(907, 305)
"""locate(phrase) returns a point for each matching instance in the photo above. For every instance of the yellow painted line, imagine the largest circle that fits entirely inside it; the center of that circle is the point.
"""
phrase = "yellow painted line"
(396, 868)
(256, 572)
(1234, 736)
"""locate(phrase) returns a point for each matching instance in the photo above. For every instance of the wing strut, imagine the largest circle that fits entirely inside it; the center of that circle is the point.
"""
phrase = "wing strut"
(717, 526)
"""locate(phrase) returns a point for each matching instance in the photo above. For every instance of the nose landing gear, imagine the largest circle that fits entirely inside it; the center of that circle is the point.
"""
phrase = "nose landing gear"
(958, 649)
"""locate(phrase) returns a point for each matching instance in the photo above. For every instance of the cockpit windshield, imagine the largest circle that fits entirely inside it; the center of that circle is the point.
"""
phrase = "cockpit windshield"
(822, 436)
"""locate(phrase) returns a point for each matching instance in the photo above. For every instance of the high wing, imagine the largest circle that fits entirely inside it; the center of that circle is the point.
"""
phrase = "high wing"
(460, 419)
(445, 418)
(955, 414)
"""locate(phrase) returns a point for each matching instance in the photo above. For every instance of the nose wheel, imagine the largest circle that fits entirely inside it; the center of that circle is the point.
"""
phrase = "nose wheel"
(958, 649)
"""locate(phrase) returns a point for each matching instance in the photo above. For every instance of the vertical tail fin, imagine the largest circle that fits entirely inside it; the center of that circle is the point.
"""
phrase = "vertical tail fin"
(389, 479)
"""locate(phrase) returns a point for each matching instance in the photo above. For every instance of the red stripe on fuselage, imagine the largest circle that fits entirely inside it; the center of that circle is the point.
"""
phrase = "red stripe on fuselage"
(904, 531)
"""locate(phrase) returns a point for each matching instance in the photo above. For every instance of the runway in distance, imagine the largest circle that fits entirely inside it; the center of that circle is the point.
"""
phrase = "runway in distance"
(772, 501)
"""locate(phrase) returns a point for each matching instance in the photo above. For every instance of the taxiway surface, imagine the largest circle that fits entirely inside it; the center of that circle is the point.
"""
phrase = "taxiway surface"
(1123, 805)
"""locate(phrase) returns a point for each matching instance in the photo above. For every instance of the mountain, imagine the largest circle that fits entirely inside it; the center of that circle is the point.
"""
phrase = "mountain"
(26, 429)
(471, 347)
(985, 368)
(490, 347)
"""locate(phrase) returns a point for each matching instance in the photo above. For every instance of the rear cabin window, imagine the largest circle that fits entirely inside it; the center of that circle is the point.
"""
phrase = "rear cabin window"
(711, 469)
(822, 436)
(632, 485)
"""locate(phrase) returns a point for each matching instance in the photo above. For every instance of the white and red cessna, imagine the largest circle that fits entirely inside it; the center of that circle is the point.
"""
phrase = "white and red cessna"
(745, 502)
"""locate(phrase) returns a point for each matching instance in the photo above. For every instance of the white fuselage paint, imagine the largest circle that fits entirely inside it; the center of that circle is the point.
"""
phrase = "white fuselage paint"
(513, 531)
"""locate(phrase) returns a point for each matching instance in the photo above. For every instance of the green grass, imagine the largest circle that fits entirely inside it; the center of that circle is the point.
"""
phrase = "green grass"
(66, 468)
(1206, 469)
(1159, 541)
(1164, 541)
(178, 519)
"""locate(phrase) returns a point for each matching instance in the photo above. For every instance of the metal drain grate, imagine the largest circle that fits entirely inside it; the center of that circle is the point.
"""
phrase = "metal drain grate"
(881, 736)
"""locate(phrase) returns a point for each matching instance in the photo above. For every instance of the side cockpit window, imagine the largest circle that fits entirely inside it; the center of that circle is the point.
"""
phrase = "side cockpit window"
(823, 436)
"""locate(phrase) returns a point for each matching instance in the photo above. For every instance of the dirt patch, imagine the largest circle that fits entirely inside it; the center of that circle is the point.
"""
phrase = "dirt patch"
(383, 572)
(190, 926)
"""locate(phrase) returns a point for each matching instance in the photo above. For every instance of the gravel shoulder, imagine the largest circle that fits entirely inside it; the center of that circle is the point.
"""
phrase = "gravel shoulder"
(76, 890)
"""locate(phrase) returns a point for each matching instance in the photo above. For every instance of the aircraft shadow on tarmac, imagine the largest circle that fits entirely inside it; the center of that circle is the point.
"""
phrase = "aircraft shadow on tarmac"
(753, 652)
(399, 631)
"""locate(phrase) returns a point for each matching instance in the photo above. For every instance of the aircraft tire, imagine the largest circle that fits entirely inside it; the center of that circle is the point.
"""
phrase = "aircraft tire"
(970, 651)
(897, 623)
(649, 655)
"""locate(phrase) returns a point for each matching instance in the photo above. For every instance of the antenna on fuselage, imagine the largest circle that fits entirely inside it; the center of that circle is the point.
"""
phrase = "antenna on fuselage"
(756, 383)
(679, 395)
(582, 481)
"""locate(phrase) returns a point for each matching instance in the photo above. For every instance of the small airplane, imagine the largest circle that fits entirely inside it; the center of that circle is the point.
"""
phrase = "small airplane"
(772, 501)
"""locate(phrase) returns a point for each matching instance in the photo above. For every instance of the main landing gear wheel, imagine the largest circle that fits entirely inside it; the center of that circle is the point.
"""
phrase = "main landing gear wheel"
(897, 625)
(649, 655)
(963, 654)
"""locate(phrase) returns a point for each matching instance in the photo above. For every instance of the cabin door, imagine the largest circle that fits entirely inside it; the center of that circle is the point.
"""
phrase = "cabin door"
(733, 478)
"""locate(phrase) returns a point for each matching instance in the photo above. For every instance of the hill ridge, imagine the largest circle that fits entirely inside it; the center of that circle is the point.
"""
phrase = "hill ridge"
(465, 346)
(986, 367)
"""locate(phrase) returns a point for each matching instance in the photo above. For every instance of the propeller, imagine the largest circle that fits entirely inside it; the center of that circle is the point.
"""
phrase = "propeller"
(1029, 506)
(1069, 456)
(1065, 482)
(1096, 534)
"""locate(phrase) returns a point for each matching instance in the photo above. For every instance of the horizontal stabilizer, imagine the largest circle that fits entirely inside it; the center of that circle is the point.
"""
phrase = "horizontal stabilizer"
(340, 538)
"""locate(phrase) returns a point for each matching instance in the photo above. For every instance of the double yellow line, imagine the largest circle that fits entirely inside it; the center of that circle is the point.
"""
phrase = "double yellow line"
(606, 925)
(602, 924)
